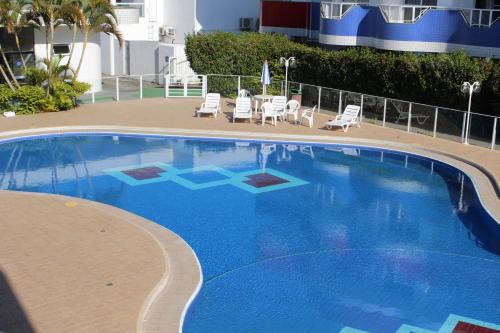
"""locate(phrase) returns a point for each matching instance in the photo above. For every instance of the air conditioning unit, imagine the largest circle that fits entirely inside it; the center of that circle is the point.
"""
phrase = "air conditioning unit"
(170, 32)
(167, 34)
(246, 23)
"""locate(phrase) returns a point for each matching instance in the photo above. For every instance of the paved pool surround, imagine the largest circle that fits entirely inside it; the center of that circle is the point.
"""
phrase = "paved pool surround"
(150, 275)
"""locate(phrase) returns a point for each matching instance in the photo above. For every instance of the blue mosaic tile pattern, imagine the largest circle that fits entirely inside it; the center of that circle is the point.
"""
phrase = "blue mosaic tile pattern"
(253, 181)
(450, 325)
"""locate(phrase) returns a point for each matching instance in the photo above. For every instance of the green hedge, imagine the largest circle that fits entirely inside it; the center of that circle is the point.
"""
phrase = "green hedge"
(33, 99)
(431, 78)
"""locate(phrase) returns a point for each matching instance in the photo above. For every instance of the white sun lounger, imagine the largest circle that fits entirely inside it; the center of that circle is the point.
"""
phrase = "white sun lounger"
(243, 109)
(210, 106)
(346, 119)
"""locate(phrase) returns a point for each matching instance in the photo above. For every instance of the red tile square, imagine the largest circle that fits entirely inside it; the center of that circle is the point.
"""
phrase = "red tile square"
(463, 327)
(264, 179)
(144, 173)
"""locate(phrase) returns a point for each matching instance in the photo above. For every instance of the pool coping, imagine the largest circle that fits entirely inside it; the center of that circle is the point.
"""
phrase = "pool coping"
(182, 280)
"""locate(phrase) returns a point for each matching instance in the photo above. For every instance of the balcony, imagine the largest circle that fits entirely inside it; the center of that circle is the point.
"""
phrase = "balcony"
(129, 11)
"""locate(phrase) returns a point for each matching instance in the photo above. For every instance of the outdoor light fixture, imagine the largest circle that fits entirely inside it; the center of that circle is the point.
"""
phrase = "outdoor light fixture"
(471, 89)
(287, 63)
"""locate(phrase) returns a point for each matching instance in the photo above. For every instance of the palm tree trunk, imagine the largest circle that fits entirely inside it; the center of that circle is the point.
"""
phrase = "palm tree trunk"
(6, 78)
(72, 49)
(84, 47)
(49, 69)
(8, 67)
(18, 45)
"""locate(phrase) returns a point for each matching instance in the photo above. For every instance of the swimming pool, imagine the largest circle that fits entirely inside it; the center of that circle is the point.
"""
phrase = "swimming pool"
(290, 237)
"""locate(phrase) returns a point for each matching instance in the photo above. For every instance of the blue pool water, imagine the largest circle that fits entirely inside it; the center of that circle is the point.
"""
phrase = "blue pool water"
(292, 238)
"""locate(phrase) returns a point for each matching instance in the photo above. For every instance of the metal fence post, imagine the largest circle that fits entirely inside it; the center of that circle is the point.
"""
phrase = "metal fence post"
(140, 87)
(361, 104)
(463, 127)
(204, 85)
(385, 111)
(239, 85)
(340, 102)
(408, 128)
(494, 135)
(319, 99)
(93, 97)
(166, 83)
(117, 95)
(185, 87)
(436, 111)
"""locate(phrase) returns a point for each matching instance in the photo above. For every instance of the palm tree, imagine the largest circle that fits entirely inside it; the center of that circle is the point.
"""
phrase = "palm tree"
(98, 16)
(72, 17)
(4, 19)
(14, 21)
(51, 14)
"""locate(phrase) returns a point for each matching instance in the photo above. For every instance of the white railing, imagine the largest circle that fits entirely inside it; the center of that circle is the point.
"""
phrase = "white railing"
(403, 14)
(408, 116)
(481, 18)
(337, 10)
(411, 13)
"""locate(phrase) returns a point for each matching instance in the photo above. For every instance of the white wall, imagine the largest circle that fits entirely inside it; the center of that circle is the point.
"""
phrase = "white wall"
(386, 2)
(143, 57)
(91, 66)
(457, 3)
(180, 14)
(225, 15)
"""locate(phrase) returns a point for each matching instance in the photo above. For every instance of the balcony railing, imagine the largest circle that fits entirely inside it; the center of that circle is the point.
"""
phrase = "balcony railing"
(481, 18)
(403, 14)
(484, 18)
(434, 121)
(129, 11)
(336, 10)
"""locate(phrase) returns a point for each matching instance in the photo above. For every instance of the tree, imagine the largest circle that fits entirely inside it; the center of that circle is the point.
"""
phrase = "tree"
(14, 20)
(49, 15)
(97, 16)
(4, 18)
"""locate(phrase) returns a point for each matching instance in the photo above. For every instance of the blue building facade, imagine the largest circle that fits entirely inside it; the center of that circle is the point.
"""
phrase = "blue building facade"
(415, 28)
(435, 30)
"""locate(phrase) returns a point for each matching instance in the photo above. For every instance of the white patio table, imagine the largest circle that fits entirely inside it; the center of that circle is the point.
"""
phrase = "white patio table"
(260, 98)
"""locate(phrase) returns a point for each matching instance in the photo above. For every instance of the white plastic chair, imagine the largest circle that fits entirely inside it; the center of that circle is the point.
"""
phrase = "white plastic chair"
(308, 115)
(292, 109)
(244, 93)
(268, 111)
(210, 106)
(279, 105)
(346, 119)
(243, 109)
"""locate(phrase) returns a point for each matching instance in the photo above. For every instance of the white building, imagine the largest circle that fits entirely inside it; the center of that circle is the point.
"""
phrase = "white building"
(154, 32)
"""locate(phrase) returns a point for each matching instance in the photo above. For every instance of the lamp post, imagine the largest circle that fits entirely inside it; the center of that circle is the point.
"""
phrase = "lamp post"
(469, 88)
(287, 63)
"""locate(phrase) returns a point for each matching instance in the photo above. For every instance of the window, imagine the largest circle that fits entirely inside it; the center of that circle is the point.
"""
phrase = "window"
(26, 40)
(421, 2)
(61, 48)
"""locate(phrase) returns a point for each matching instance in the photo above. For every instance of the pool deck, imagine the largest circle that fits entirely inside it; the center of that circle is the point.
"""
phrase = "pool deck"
(71, 265)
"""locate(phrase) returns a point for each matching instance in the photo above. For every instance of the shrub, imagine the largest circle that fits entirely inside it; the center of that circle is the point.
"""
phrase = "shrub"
(32, 99)
(430, 79)
(64, 94)
(6, 95)
(36, 76)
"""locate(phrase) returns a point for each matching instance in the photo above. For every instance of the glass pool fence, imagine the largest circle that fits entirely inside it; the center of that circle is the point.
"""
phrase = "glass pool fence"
(434, 121)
